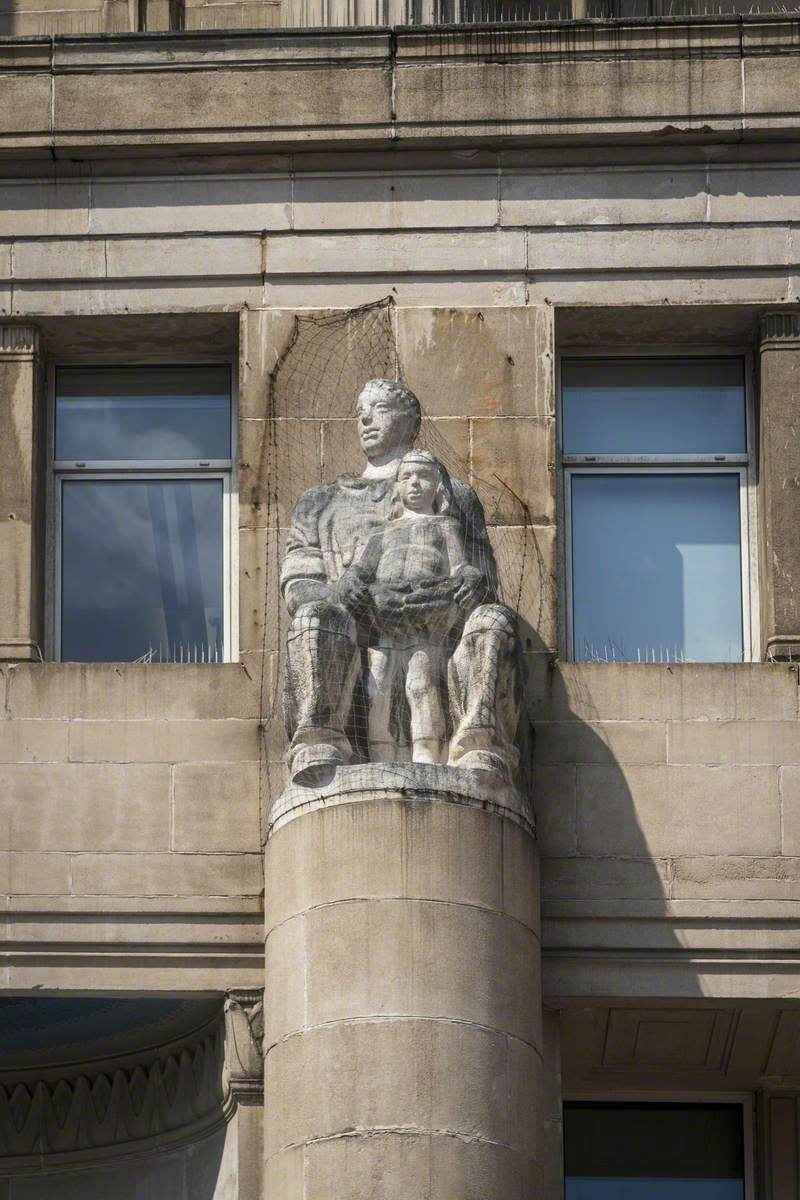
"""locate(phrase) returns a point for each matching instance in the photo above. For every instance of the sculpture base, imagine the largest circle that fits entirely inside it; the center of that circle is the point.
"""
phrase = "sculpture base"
(410, 781)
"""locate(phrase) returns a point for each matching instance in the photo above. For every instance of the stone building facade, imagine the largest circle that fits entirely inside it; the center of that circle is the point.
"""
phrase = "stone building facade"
(401, 995)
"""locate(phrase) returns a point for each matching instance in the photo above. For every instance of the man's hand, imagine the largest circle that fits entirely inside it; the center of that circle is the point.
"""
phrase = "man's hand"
(470, 587)
(352, 591)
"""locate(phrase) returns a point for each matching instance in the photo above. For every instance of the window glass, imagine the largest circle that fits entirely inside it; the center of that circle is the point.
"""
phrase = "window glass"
(143, 413)
(656, 566)
(653, 406)
(141, 570)
(653, 1152)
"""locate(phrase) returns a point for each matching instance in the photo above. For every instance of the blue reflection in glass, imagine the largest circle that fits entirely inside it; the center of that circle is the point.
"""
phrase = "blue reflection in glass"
(656, 567)
(141, 570)
(654, 1189)
(143, 413)
(653, 406)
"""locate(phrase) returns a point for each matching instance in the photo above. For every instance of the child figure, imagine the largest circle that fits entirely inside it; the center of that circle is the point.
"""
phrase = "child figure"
(412, 569)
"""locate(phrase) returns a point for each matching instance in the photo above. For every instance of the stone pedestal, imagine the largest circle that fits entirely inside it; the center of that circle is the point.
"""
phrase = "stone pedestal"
(21, 493)
(403, 1017)
(779, 484)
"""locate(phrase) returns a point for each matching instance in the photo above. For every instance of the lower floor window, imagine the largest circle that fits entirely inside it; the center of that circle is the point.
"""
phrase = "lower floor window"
(654, 1151)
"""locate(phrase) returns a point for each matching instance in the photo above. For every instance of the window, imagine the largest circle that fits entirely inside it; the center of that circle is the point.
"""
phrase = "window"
(655, 456)
(654, 1152)
(142, 464)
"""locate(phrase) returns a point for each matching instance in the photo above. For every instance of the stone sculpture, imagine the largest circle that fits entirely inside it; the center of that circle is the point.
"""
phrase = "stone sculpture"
(391, 586)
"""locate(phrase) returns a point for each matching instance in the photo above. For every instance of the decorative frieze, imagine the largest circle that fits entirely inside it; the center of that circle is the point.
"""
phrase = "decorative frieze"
(19, 339)
(781, 326)
(171, 1097)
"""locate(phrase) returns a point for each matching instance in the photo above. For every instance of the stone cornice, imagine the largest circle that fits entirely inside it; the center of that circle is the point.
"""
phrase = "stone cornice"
(585, 82)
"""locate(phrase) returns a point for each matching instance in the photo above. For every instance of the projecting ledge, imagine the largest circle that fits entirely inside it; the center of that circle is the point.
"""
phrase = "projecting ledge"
(420, 782)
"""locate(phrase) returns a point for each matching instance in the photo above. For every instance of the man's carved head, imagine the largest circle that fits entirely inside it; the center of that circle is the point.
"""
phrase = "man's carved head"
(389, 418)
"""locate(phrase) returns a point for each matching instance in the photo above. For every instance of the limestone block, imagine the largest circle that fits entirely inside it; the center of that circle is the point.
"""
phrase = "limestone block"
(721, 877)
(185, 205)
(264, 335)
(694, 286)
(518, 454)
(326, 1082)
(85, 298)
(677, 692)
(555, 804)
(479, 362)
(216, 807)
(373, 958)
(448, 854)
(604, 742)
(121, 104)
(33, 741)
(166, 875)
(771, 743)
(521, 876)
(633, 810)
(60, 259)
(131, 691)
(758, 192)
(396, 253)
(185, 256)
(394, 201)
(564, 94)
(34, 873)
(602, 197)
(24, 106)
(637, 249)
(39, 209)
(598, 880)
(790, 809)
(92, 807)
(229, 741)
(493, 288)
(771, 88)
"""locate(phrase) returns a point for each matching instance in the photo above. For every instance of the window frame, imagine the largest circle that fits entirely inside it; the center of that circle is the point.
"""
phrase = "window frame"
(642, 464)
(746, 1100)
(226, 470)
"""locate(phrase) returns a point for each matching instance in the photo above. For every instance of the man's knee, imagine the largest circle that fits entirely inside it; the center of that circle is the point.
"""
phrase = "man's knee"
(325, 616)
(491, 619)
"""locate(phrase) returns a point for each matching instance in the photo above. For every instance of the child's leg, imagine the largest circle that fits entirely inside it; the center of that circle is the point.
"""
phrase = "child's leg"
(383, 679)
(424, 692)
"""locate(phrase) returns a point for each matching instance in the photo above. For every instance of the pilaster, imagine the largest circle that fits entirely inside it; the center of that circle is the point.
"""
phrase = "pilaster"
(21, 493)
(244, 1070)
(779, 475)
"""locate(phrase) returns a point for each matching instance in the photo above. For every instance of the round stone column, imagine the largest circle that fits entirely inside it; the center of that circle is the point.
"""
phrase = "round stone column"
(403, 991)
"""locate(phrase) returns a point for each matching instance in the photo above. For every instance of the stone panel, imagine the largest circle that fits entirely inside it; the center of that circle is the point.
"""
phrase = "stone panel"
(396, 253)
(186, 205)
(85, 807)
(401, 201)
(602, 197)
(479, 362)
(635, 810)
(142, 875)
(726, 743)
(216, 807)
(232, 740)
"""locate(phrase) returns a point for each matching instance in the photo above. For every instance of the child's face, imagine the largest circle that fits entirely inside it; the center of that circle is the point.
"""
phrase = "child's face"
(417, 483)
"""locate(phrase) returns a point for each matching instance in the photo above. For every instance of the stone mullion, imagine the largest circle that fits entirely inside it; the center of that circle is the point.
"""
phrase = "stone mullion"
(21, 493)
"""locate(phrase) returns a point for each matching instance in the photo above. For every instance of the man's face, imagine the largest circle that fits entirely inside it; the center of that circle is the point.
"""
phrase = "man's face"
(383, 426)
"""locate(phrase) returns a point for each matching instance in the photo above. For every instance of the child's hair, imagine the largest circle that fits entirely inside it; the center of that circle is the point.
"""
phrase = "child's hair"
(443, 499)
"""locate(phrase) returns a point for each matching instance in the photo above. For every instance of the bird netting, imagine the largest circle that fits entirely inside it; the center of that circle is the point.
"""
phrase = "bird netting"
(382, 559)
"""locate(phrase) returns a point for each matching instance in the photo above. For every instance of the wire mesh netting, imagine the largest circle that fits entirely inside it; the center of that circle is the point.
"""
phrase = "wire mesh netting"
(409, 554)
